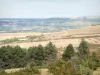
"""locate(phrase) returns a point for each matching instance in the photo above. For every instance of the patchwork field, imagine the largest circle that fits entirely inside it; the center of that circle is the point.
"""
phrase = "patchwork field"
(58, 43)
(62, 38)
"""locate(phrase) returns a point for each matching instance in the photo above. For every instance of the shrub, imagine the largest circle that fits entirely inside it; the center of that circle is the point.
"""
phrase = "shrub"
(60, 67)
(85, 70)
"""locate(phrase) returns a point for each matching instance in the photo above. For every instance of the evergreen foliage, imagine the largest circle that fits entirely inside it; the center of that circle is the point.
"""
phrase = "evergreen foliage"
(83, 49)
(68, 52)
(74, 63)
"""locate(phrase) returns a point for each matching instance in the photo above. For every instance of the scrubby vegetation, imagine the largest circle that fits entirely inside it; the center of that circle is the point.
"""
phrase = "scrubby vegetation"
(80, 62)
(11, 40)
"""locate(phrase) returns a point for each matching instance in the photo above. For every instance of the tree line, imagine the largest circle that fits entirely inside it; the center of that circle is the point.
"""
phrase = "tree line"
(16, 57)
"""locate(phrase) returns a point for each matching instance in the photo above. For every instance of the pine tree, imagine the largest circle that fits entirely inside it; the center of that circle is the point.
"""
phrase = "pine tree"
(69, 52)
(83, 49)
(39, 55)
(36, 55)
(50, 51)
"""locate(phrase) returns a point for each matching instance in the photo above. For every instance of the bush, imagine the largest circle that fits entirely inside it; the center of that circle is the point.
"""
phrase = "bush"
(85, 70)
(94, 61)
(60, 67)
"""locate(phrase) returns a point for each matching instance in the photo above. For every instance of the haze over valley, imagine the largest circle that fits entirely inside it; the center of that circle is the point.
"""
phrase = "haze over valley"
(45, 24)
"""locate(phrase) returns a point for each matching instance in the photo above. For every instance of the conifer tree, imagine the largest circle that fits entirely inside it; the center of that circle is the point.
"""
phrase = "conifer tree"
(69, 52)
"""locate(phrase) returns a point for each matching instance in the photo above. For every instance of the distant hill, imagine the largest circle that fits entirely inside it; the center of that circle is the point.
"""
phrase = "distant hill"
(45, 24)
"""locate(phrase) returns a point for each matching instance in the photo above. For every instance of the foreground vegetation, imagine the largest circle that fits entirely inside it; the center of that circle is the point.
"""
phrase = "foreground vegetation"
(16, 57)
(78, 61)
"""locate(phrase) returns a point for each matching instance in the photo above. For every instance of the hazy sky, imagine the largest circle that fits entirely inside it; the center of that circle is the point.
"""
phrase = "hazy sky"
(48, 8)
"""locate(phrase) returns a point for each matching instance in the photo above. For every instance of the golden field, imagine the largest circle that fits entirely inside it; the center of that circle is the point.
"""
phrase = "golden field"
(62, 38)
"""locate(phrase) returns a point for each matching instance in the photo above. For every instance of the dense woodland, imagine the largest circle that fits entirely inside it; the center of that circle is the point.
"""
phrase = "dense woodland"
(72, 62)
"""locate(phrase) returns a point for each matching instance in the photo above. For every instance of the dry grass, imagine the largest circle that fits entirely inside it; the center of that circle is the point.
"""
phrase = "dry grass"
(12, 35)
(59, 43)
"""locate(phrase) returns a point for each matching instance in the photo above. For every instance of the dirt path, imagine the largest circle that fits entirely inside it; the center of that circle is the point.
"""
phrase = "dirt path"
(44, 72)
(97, 72)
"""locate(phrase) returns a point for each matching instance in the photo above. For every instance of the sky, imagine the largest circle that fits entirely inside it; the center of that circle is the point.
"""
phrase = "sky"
(48, 8)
